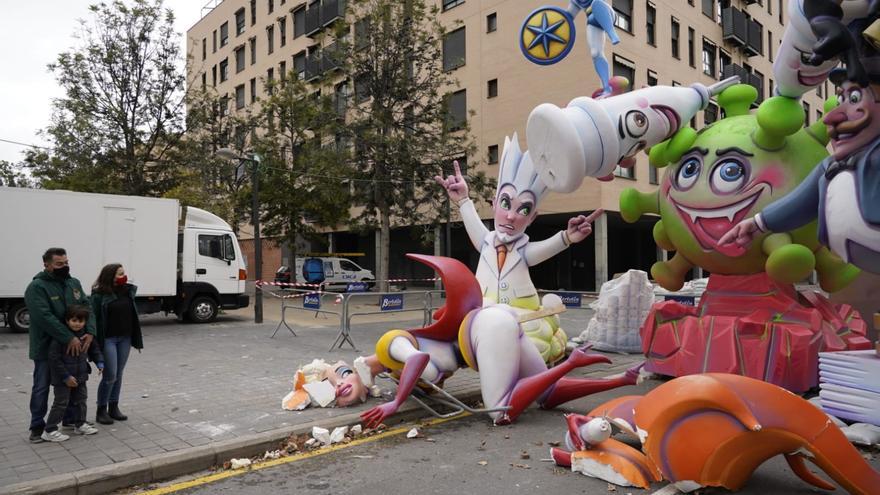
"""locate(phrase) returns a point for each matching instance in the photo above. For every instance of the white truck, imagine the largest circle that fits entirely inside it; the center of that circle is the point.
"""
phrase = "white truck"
(184, 260)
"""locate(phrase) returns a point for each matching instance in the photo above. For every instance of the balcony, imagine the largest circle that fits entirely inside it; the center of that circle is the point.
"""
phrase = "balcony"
(734, 26)
(758, 83)
(331, 10)
(735, 70)
(313, 66)
(313, 19)
(755, 40)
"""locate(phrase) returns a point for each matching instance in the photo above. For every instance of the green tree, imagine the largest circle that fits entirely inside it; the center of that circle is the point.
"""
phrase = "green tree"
(400, 122)
(302, 172)
(11, 175)
(122, 106)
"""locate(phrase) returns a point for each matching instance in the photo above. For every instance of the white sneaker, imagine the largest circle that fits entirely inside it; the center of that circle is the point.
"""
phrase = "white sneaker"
(54, 436)
(85, 429)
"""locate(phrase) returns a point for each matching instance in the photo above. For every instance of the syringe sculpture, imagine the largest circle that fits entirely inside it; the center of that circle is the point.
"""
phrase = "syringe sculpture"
(588, 138)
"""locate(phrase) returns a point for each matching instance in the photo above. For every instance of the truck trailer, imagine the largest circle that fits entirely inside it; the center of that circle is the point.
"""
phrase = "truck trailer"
(184, 260)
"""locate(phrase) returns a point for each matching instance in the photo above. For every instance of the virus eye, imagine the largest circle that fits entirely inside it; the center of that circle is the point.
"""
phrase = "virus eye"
(728, 176)
(636, 123)
(688, 173)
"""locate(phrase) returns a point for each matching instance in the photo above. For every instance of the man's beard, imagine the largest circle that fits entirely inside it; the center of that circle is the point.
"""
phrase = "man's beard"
(507, 238)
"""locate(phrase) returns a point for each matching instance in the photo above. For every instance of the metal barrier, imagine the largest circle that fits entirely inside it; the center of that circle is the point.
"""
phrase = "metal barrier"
(345, 331)
(286, 304)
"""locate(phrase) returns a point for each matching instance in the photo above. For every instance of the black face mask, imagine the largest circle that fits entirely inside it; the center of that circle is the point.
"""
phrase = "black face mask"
(63, 272)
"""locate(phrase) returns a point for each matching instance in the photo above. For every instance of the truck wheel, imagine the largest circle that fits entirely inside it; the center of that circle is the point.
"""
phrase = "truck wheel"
(19, 318)
(203, 309)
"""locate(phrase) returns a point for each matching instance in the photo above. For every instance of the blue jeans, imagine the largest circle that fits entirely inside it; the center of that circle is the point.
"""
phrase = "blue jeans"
(40, 397)
(116, 351)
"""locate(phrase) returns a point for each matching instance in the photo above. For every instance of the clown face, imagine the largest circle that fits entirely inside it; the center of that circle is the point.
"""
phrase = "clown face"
(513, 212)
(855, 122)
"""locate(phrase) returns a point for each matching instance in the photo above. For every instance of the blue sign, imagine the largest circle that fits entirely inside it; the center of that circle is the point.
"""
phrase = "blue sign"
(683, 300)
(570, 299)
(357, 287)
(312, 301)
(390, 302)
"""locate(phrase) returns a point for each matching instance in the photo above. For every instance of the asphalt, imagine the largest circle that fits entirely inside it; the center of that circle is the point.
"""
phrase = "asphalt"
(199, 395)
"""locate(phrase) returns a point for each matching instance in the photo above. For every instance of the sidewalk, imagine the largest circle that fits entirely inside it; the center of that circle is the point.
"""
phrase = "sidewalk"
(197, 396)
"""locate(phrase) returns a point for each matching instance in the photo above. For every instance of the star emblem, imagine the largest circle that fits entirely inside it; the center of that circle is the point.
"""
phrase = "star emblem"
(545, 33)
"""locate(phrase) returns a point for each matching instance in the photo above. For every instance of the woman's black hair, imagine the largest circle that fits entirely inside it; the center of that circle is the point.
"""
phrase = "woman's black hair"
(105, 282)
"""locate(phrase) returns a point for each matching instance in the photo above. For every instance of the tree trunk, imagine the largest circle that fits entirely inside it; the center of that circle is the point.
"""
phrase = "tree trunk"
(384, 248)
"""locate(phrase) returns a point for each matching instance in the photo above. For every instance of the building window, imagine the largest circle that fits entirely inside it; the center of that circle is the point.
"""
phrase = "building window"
(448, 4)
(709, 56)
(204, 80)
(253, 89)
(625, 68)
(239, 21)
(760, 87)
(818, 115)
(456, 110)
(723, 61)
(282, 30)
(454, 49)
(769, 43)
(253, 12)
(650, 21)
(299, 65)
(299, 22)
(493, 154)
(779, 11)
(214, 42)
(239, 97)
(819, 91)
(270, 38)
(691, 49)
(709, 9)
(214, 76)
(676, 27)
(710, 115)
(271, 6)
(239, 59)
(625, 173)
(282, 71)
(653, 175)
(492, 22)
(806, 113)
(204, 48)
(492, 88)
(652, 78)
(224, 34)
(253, 45)
(771, 88)
(224, 70)
(623, 19)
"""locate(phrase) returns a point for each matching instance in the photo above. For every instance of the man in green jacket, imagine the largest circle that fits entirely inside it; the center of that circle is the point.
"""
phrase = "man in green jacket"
(47, 298)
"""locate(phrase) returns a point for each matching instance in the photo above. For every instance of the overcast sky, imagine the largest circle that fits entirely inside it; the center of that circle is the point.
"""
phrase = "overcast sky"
(33, 35)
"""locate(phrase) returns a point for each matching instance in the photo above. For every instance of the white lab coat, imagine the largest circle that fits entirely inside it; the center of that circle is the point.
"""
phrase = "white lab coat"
(513, 281)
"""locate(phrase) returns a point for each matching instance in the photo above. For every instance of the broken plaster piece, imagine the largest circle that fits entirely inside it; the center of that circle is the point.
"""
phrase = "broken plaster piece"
(322, 393)
(338, 434)
(239, 463)
(412, 433)
(363, 371)
(321, 434)
(357, 430)
(592, 468)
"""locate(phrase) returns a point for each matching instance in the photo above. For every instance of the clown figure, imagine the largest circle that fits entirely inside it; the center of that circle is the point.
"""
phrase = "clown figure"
(506, 253)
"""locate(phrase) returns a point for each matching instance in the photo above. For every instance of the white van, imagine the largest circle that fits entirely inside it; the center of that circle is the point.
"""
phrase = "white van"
(338, 271)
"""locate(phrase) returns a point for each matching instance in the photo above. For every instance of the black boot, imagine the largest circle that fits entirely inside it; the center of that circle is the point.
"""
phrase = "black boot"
(102, 417)
(115, 413)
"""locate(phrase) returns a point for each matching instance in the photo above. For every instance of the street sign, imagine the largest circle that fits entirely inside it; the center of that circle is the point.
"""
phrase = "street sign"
(312, 301)
(570, 299)
(390, 302)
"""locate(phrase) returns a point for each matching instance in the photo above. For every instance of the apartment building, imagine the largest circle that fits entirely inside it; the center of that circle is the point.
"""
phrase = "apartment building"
(240, 43)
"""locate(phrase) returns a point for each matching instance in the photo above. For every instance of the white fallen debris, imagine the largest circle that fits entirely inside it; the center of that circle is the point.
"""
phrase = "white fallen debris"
(239, 463)
(357, 430)
(321, 434)
(412, 433)
(322, 393)
(271, 454)
(311, 442)
(338, 434)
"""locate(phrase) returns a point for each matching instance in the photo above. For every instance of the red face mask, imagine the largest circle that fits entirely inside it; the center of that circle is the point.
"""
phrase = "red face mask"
(121, 280)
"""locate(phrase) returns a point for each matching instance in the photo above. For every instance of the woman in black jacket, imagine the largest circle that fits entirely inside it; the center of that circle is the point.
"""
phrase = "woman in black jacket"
(119, 329)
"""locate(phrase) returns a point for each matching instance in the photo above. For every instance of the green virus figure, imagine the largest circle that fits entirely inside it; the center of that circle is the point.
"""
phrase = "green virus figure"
(725, 173)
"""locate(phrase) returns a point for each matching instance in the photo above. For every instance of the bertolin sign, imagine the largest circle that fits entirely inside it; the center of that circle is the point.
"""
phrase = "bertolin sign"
(570, 299)
(390, 302)
(312, 301)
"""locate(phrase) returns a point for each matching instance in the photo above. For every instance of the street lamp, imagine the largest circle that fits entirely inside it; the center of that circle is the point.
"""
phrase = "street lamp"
(254, 158)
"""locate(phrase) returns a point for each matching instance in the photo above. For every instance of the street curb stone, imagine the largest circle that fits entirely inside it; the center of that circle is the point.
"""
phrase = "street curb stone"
(160, 467)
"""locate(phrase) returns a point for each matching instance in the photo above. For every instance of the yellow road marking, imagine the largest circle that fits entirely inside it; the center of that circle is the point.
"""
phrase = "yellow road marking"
(211, 478)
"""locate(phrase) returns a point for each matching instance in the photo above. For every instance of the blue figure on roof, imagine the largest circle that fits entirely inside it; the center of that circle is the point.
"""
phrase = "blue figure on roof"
(548, 34)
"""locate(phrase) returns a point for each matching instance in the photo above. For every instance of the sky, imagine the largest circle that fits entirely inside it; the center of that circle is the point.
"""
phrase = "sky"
(33, 35)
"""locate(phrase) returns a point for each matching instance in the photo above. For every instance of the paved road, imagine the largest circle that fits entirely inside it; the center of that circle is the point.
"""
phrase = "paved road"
(465, 456)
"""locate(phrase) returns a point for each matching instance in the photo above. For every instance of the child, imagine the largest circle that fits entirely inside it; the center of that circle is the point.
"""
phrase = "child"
(69, 375)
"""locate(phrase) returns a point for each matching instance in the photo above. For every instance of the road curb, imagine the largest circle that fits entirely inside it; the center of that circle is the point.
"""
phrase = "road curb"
(161, 467)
